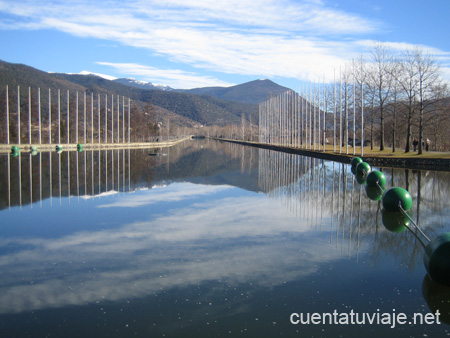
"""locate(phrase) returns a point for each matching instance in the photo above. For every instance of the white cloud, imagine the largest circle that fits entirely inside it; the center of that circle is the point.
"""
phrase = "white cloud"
(273, 38)
(174, 78)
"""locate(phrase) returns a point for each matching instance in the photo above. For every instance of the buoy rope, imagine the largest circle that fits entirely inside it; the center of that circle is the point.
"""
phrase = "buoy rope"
(379, 186)
(403, 211)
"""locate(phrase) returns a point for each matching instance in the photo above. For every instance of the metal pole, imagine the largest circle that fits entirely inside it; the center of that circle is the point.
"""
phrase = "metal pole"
(18, 114)
(92, 117)
(40, 115)
(112, 118)
(84, 118)
(118, 119)
(362, 110)
(98, 113)
(29, 115)
(354, 110)
(7, 116)
(59, 116)
(334, 117)
(76, 120)
(50, 116)
(123, 119)
(68, 120)
(129, 107)
(106, 119)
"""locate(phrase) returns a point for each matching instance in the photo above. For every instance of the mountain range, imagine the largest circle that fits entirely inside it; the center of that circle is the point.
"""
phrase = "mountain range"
(206, 106)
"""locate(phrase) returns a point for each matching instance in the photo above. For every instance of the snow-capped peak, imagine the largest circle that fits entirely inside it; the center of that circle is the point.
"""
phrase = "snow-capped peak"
(107, 77)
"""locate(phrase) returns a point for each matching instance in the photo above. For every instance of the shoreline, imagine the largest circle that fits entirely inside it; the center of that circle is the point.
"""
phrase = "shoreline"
(26, 148)
(418, 163)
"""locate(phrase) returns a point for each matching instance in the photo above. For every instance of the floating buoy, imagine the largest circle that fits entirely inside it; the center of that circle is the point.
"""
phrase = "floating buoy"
(394, 221)
(376, 179)
(437, 259)
(15, 151)
(59, 148)
(374, 193)
(361, 179)
(33, 150)
(395, 197)
(79, 147)
(363, 169)
(356, 161)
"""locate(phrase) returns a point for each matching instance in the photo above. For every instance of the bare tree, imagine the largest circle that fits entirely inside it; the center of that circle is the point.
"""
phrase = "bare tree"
(427, 77)
(380, 76)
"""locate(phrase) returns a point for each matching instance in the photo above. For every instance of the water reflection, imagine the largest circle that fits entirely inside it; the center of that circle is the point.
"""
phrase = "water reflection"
(212, 232)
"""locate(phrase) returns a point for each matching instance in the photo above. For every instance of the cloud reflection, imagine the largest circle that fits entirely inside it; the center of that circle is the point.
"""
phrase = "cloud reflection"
(228, 239)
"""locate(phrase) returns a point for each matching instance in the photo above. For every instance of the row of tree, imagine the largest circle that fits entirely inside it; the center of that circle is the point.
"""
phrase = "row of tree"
(390, 98)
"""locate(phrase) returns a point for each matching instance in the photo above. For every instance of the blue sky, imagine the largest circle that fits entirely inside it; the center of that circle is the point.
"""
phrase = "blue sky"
(199, 43)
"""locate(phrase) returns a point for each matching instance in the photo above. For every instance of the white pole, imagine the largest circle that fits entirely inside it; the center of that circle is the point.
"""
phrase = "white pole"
(112, 118)
(29, 115)
(76, 121)
(340, 111)
(123, 119)
(362, 110)
(68, 120)
(354, 109)
(118, 119)
(40, 115)
(84, 118)
(318, 117)
(334, 115)
(92, 117)
(129, 107)
(346, 112)
(50, 116)
(98, 126)
(7, 116)
(59, 116)
(18, 114)
(324, 115)
(106, 119)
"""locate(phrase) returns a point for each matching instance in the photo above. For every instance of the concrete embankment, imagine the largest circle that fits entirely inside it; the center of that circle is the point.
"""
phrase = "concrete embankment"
(419, 163)
(6, 148)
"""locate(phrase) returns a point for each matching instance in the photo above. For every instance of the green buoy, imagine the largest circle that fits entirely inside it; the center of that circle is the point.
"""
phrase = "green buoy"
(59, 148)
(361, 179)
(374, 193)
(396, 197)
(394, 221)
(356, 161)
(33, 150)
(15, 151)
(437, 259)
(376, 179)
(363, 169)
(79, 147)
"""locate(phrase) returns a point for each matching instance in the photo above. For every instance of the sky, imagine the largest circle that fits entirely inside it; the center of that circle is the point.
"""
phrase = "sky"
(200, 43)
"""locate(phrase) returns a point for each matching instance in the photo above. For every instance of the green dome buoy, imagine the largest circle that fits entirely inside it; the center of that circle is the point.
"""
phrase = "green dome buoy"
(361, 179)
(374, 193)
(394, 197)
(363, 169)
(59, 148)
(33, 150)
(394, 221)
(437, 259)
(79, 147)
(15, 151)
(376, 179)
(356, 161)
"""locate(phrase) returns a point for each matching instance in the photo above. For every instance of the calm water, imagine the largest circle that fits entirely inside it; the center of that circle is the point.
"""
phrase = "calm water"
(209, 239)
